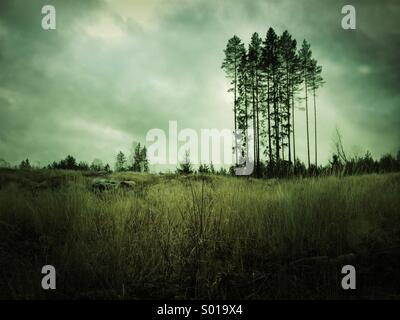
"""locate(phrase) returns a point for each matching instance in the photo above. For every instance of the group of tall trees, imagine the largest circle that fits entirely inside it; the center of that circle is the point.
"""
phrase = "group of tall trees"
(139, 161)
(267, 79)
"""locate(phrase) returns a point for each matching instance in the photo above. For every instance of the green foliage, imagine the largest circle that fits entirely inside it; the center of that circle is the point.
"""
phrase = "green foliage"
(265, 82)
(82, 165)
(25, 165)
(185, 167)
(69, 163)
(233, 55)
(140, 161)
(107, 168)
(337, 166)
(120, 164)
(204, 169)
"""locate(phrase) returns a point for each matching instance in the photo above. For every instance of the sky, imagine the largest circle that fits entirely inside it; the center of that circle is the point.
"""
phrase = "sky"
(113, 70)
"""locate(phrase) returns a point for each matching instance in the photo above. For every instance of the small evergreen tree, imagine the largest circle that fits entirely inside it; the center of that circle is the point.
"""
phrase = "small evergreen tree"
(107, 168)
(140, 162)
(120, 164)
(25, 165)
(137, 159)
(185, 167)
(212, 169)
(83, 166)
(143, 158)
(203, 169)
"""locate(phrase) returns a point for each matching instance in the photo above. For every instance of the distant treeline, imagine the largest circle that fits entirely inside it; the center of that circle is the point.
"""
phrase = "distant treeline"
(138, 163)
(70, 163)
(339, 164)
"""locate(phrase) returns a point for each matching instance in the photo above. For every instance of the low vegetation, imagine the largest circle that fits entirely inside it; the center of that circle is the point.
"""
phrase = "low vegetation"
(198, 236)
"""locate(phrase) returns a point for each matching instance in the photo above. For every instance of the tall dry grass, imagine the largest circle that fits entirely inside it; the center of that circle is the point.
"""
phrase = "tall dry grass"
(202, 237)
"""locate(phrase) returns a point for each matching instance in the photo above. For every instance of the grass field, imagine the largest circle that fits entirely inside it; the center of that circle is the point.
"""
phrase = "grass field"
(199, 237)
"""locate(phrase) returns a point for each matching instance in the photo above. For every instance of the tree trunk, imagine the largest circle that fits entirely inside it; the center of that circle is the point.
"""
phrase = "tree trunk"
(315, 127)
(269, 123)
(257, 128)
(294, 137)
(234, 111)
(254, 122)
(276, 122)
(308, 135)
(288, 113)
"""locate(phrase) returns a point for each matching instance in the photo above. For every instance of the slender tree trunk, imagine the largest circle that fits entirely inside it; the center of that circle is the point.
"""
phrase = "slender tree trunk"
(294, 137)
(254, 122)
(315, 127)
(269, 123)
(276, 122)
(288, 112)
(258, 127)
(247, 122)
(308, 134)
(234, 111)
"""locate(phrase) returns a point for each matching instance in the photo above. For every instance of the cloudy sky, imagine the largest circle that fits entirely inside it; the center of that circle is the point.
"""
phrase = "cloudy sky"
(113, 70)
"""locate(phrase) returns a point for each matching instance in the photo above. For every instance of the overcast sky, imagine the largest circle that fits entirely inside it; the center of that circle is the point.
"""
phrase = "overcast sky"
(112, 70)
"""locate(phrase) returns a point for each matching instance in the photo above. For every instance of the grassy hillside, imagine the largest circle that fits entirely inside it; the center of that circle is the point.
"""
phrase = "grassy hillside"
(199, 237)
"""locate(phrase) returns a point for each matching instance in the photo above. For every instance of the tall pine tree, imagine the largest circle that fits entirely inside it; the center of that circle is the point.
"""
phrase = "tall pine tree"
(305, 63)
(233, 56)
(254, 61)
(316, 82)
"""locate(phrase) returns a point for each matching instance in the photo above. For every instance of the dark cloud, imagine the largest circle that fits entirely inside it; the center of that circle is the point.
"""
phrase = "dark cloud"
(115, 69)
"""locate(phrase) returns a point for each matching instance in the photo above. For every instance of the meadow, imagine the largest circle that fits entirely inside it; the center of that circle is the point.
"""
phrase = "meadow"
(198, 236)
